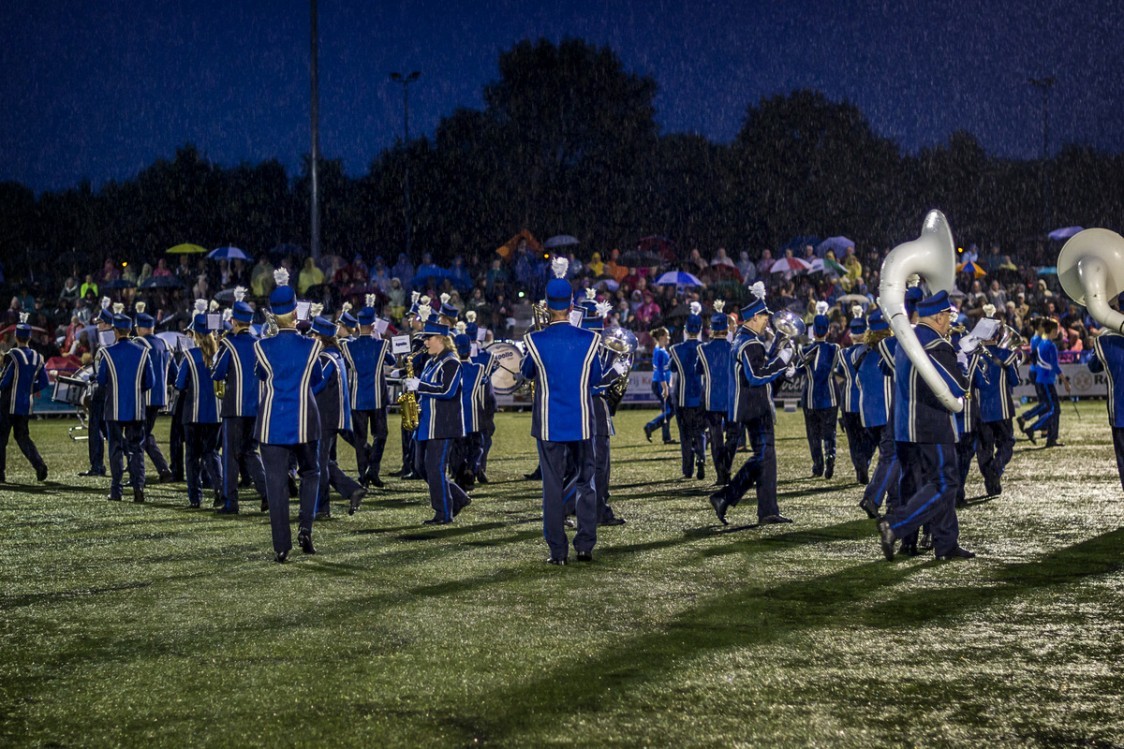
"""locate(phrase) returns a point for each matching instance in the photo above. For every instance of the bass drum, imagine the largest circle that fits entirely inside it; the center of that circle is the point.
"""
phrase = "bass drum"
(505, 376)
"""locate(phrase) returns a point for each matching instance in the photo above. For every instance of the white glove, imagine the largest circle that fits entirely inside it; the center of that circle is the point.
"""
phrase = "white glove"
(396, 372)
(411, 383)
(785, 354)
(790, 372)
(962, 359)
(620, 368)
(969, 343)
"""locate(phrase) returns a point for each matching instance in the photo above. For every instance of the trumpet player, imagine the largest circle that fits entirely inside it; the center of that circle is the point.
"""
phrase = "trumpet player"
(754, 373)
(926, 439)
(200, 414)
(995, 438)
(593, 318)
(859, 446)
(234, 367)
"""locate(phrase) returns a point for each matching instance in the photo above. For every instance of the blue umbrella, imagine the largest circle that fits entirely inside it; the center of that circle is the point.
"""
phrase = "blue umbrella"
(118, 283)
(678, 278)
(227, 253)
(429, 275)
(560, 240)
(1048, 270)
(838, 244)
(1059, 235)
(162, 282)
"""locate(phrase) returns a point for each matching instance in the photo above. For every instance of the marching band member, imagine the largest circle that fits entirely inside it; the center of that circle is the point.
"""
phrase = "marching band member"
(485, 359)
(995, 438)
(926, 439)
(156, 398)
(22, 376)
(1108, 357)
(563, 361)
(414, 324)
(593, 319)
(967, 421)
(1049, 372)
(467, 449)
(448, 314)
(124, 372)
(876, 388)
(440, 419)
(714, 366)
(96, 430)
(201, 412)
(367, 357)
(860, 448)
(754, 373)
(688, 397)
(288, 424)
(1041, 400)
(661, 386)
(333, 403)
(239, 411)
(821, 405)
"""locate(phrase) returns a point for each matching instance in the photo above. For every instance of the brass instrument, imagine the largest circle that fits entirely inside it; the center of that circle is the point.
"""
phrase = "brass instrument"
(788, 325)
(623, 344)
(540, 316)
(1089, 269)
(408, 402)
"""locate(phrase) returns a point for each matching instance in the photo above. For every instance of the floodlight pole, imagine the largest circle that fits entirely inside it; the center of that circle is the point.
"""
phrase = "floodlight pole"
(314, 110)
(405, 80)
(1045, 85)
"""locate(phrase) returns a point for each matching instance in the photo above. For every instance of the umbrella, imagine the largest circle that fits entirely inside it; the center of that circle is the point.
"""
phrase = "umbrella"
(1048, 270)
(824, 265)
(640, 259)
(284, 249)
(607, 284)
(1064, 233)
(118, 283)
(678, 278)
(795, 264)
(227, 253)
(957, 294)
(162, 282)
(972, 267)
(185, 249)
(838, 244)
(9, 328)
(226, 296)
(853, 299)
(507, 249)
(560, 240)
(429, 275)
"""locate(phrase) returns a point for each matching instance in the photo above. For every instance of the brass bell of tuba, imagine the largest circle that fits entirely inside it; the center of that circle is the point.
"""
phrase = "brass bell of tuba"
(1091, 272)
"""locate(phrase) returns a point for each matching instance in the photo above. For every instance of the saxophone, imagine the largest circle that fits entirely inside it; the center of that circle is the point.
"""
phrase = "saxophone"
(408, 402)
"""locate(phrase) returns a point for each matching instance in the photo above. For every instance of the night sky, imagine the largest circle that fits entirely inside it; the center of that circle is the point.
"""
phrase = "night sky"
(100, 89)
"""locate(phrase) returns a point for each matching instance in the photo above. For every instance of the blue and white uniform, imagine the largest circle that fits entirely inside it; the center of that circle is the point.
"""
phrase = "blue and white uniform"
(234, 366)
(23, 375)
(124, 372)
(1108, 359)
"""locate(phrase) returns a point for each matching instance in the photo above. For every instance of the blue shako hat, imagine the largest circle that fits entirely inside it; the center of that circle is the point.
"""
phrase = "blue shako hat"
(935, 304)
(913, 295)
(694, 320)
(463, 344)
(23, 329)
(820, 324)
(448, 310)
(756, 305)
(282, 300)
(323, 326)
(432, 327)
(877, 321)
(241, 311)
(559, 292)
(143, 319)
(719, 323)
(858, 325)
(104, 314)
(122, 322)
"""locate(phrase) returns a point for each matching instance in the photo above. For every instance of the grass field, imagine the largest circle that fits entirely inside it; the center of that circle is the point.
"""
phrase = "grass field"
(158, 625)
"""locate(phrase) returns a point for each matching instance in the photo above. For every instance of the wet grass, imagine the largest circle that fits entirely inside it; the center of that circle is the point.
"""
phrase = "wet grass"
(157, 625)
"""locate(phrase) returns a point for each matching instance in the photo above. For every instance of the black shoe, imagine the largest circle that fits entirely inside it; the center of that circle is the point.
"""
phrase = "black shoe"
(356, 499)
(280, 557)
(1021, 422)
(218, 501)
(376, 482)
(993, 488)
(138, 496)
(93, 472)
(457, 510)
(324, 515)
(560, 561)
(817, 473)
(482, 477)
(648, 432)
(671, 442)
(585, 556)
(863, 477)
(194, 505)
(166, 477)
(114, 497)
(437, 520)
(700, 470)
(1054, 444)
(887, 539)
(613, 521)
(3, 479)
(774, 520)
(40, 473)
(304, 538)
(957, 553)
(830, 470)
(910, 550)
(720, 507)
(1030, 436)
(926, 541)
(264, 504)
(228, 509)
(867, 506)
(535, 475)
(412, 476)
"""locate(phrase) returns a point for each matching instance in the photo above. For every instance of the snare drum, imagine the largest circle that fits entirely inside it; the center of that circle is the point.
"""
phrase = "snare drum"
(74, 389)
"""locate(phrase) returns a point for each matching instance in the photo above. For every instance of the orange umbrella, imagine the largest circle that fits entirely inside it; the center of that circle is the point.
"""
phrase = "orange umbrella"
(507, 249)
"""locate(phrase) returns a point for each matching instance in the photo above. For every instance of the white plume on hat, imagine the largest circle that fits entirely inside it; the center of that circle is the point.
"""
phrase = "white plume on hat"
(424, 311)
(315, 309)
(445, 299)
(345, 308)
(239, 293)
(214, 306)
(118, 308)
(758, 290)
(559, 265)
(604, 308)
(105, 302)
(200, 306)
(24, 317)
(696, 308)
(140, 307)
(857, 310)
(424, 300)
(460, 327)
(989, 310)
(281, 277)
(227, 314)
(414, 297)
(370, 299)
(821, 307)
(591, 294)
(719, 305)
(470, 315)
(914, 279)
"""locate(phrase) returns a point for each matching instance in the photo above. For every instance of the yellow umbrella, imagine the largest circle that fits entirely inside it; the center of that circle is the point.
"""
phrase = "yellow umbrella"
(185, 249)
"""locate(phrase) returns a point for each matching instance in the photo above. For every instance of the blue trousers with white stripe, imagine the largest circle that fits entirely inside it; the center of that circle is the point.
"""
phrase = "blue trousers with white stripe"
(934, 498)
(887, 472)
(1049, 420)
(446, 497)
